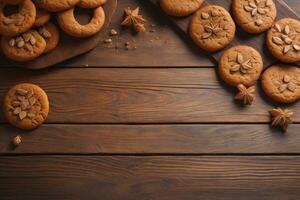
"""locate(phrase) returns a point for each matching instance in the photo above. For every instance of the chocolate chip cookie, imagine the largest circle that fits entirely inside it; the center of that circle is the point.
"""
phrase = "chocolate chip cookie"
(71, 26)
(26, 106)
(283, 40)
(57, 5)
(212, 28)
(19, 22)
(51, 35)
(240, 65)
(91, 3)
(180, 8)
(282, 83)
(254, 16)
(25, 47)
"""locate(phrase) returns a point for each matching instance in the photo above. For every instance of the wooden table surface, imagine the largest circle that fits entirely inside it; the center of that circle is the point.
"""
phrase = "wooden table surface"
(151, 123)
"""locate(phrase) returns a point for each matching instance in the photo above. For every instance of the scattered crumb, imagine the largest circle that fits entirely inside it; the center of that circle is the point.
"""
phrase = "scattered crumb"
(127, 45)
(107, 41)
(113, 32)
(17, 140)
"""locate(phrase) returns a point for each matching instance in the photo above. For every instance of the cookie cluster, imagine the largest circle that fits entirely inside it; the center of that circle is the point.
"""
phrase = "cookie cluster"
(29, 32)
(213, 28)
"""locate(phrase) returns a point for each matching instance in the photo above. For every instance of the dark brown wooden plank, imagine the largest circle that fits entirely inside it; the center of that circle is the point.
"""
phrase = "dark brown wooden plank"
(139, 96)
(160, 48)
(164, 178)
(152, 139)
(241, 38)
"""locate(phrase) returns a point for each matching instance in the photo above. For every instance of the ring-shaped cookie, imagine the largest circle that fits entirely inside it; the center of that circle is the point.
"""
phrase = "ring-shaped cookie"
(20, 22)
(57, 5)
(71, 26)
(91, 3)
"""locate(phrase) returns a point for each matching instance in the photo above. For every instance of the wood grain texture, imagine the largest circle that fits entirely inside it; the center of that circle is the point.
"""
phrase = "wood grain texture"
(151, 139)
(164, 178)
(256, 41)
(139, 96)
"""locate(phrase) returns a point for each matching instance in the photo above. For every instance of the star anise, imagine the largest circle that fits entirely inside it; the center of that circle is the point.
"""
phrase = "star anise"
(133, 19)
(241, 65)
(281, 117)
(245, 94)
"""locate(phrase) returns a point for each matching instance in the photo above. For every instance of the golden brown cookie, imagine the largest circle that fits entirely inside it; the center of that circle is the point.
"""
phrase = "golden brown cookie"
(42, 17)
(283, 40)
(17, 23)
(212, 28)
(51, 35)
(180, 8)
(26, 106)
(71, 26)
(25, 47)
(282, 83)
(57, 5)
(254, 16)
(240, 65)
(91, 3)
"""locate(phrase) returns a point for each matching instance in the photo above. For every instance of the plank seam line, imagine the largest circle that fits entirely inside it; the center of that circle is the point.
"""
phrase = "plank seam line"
(154, 154)
(171, 123)
(125, 67)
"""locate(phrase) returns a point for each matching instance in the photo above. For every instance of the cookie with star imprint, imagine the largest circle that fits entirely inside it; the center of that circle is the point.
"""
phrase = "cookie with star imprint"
(282, 83)
(283, 40)
(254, 16)
(212, 28)
(179, 8)
(240, 65)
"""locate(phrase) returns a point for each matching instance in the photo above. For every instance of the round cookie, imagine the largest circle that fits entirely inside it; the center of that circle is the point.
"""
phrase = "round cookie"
(254, 16)
(17, 23)
(57, 5)
(283, 40)
(42, 17)
(71, 26)
(282, 83)
(26, 106)
(51, 35)
(240, 65)
(25, 47)
(180, 8)
(212, 28)
(91, 3)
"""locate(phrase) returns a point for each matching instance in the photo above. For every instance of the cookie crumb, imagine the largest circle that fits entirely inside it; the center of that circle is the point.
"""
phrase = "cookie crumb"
(113, 32)
(108, 41)
(127, 45)
(17, 141)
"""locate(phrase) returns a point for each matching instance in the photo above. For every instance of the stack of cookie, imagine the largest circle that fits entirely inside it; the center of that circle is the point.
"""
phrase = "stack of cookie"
(28, 33)
(212, 28)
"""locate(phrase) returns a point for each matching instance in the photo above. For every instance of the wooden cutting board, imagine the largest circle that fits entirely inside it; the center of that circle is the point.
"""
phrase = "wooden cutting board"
(254, 40)
(69, 46)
